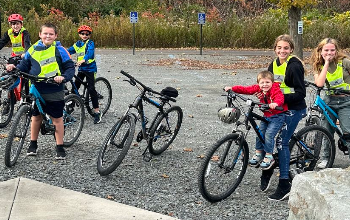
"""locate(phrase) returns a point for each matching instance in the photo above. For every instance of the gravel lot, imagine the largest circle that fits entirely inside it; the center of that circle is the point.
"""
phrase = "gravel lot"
(167, 184)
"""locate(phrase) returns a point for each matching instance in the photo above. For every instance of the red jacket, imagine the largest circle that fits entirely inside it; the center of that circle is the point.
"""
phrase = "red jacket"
(273, 95)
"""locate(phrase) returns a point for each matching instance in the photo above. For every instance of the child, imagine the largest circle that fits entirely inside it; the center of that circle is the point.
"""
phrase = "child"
(270, 94)
(18, 36)
(85, 50)
(46, 58)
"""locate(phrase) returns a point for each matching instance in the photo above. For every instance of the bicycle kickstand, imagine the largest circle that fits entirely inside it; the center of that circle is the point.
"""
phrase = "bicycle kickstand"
(147, 156)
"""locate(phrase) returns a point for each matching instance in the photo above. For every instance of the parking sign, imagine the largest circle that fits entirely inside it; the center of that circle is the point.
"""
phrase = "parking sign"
(133, 17)
(201, 18)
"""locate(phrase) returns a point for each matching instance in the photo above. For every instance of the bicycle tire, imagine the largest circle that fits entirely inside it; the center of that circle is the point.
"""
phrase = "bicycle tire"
(18, 135)
(7, 105)
(73, 119)
(217, 180)
(116, 145)
(161, 134)
(104, 96)
(315, 137)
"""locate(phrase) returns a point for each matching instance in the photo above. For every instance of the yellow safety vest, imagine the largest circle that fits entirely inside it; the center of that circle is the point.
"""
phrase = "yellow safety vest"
(17, 44)
(47, 60)
(279, 73)
(81, 52)
(336, 80)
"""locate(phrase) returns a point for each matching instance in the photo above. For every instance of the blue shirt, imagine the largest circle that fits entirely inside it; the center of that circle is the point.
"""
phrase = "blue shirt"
(65, 63)
(89, 54)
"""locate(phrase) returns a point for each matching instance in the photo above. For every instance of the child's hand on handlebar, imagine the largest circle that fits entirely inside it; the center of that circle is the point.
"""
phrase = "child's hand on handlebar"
(80, 62)
(58, 79)
(227, 88)
(273, 105)
(10, 67)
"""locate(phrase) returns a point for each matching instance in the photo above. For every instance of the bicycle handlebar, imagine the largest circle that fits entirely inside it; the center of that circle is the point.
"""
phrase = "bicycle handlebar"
(336, 91)
(17, 72)
(133, 82)
(262, 106)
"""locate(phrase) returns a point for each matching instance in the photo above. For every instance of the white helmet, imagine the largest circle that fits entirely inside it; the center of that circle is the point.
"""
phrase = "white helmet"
(229, 115)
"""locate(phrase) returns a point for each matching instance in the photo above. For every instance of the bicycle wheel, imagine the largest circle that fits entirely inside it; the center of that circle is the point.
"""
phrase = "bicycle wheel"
(223, 168)
(19, 135)
(305, 148)
(73, 119)
(164, 130)
(104, 93)
(116, 145)
(7, 103)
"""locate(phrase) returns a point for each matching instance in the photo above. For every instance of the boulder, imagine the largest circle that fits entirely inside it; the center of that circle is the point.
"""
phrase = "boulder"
(323, 195)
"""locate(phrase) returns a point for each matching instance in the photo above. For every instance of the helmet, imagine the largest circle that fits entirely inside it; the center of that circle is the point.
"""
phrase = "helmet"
(15, 17)
(229, 114)
(84, 28)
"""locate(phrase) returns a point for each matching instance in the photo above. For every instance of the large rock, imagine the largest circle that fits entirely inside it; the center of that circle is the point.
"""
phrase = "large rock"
(323, 195)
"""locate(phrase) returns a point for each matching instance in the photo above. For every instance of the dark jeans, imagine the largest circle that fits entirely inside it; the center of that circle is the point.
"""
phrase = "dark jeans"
(90, 79)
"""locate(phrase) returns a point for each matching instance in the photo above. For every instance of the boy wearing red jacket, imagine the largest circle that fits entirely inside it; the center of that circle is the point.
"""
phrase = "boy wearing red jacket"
(270, 93)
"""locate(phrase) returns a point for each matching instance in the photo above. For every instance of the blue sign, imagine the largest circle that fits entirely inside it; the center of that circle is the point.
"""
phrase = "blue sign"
(201, 18)
(133, 17)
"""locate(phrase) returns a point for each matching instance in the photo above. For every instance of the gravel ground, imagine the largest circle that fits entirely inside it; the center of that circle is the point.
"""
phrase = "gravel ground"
(168, 183)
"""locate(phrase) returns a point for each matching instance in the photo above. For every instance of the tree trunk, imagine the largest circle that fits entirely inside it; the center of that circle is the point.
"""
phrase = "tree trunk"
(294, 15)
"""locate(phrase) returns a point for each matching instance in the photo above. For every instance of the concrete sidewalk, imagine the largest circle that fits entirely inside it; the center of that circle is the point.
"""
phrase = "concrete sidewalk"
(25, 199)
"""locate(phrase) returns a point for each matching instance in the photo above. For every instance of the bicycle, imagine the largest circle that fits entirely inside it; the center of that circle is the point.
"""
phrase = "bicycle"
(103, 89)
(9, 97)
(160, 133)
(319, 110)
(73, 118)
(226, 162)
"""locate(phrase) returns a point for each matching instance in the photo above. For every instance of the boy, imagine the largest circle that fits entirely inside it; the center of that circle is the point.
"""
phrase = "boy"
(18, 36)
(46, 58)
(270, 94)
(85, 50)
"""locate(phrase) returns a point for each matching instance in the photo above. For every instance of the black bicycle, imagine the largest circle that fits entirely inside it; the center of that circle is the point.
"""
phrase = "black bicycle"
(159, 133)
(226, 162)
(19, 134)
(103, 89)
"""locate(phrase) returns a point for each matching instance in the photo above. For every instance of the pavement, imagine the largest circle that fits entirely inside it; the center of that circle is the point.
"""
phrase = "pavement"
(26, 199)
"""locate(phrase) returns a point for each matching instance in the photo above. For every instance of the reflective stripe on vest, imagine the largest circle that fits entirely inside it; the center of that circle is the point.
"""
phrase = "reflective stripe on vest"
(279, 73)
(47, 61)
(16, 42)
(336, 80)
(81, 52)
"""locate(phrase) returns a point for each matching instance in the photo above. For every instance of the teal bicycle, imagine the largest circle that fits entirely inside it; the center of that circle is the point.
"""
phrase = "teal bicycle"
(319, 110)
(19, 134)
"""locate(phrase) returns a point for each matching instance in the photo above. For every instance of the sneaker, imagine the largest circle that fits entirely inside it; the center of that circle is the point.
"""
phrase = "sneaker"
(97, 117)
(267, 163)
(282, 190)
(256, 160)
(265, 181)
(61, 153)
(32, 150)
(323, 164)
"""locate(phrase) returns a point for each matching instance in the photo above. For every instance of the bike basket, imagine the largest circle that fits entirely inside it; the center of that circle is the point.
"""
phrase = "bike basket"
(229, 114)
(170, 91)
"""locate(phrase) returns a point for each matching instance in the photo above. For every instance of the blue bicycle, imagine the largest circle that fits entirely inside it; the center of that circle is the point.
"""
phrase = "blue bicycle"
(19, 134)
(321, 110)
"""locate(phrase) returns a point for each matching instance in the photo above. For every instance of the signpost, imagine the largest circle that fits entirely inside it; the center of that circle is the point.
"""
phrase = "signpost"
(133, 19)
(201, 21)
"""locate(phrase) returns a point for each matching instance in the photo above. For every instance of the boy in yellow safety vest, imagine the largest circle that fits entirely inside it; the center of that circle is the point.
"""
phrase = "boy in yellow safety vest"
(85, 50)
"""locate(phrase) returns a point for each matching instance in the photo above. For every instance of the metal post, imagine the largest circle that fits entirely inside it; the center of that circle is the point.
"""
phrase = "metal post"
(133, 38)
(201, 39)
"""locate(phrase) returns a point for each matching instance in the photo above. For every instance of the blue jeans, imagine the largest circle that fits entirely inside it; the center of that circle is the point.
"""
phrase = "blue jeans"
(283, 138)
(269, 131)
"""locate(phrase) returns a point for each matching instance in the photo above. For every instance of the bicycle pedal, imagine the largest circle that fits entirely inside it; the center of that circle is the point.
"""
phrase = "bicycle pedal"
(147, 156)
(139, 136)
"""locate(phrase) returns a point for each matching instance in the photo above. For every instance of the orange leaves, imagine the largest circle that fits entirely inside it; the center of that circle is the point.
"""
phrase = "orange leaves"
(2, 136)
(188, 149)
(164, 175)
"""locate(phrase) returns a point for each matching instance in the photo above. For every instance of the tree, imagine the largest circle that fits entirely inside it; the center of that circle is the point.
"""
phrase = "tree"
(294, 8)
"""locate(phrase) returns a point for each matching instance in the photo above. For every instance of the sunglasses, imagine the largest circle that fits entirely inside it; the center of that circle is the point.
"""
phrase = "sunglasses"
(86, 34)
